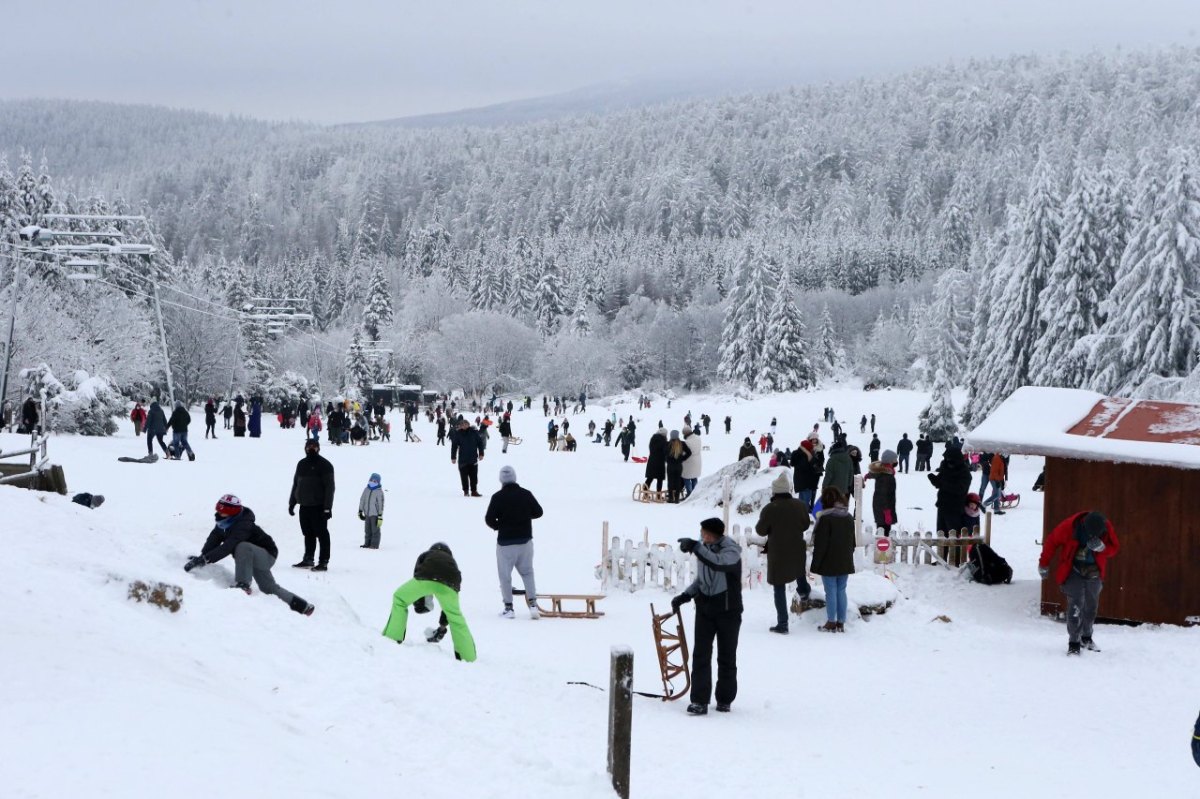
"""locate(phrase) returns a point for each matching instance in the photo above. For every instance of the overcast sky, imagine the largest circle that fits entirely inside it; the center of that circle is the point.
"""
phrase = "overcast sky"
(355, 60)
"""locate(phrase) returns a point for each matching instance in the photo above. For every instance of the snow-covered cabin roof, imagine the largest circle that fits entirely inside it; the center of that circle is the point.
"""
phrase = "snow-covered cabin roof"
(1084, 425)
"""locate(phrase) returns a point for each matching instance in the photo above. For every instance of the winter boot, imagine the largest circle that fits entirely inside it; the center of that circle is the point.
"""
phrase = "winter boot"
(1089, 644)
(244, 586)
(841, 628)
(1073, 648)
(695, 709)
(828, 627)
(534, 613)
(722, 707)
(191, 456)
(476, 494)
(507, 613)
(320, 567)
(304, 564)
(779, 628)
(433, 636)
(300, 606)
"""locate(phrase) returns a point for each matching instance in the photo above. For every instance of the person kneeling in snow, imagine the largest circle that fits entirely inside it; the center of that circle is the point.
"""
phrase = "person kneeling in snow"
(254, 552)
(435, 576)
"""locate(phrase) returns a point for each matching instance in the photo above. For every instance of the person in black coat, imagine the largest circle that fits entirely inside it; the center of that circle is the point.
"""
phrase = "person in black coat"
(904, 448)
(466, 451)
(254, 552)
(953, 482)
(156, 428)
(29, 415)
(441, 430)
(873, 449)
(210, 418)
(510, 513)
(656, 463)
(807, 472)
(312, 490)
(677, 452)
(178, 424)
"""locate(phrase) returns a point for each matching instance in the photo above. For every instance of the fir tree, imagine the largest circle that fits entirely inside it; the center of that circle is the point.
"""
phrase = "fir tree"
(358, 369)
(1017, 321)
(377, 314)
(548, 303)
(744, 329)
(256, 349)
(785, 366)
(937, 418)
(828, 346)
(1154, 307)
(1070, 303)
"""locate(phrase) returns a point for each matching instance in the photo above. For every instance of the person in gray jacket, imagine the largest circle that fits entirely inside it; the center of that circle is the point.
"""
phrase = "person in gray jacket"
(717, 591)
(370, 512)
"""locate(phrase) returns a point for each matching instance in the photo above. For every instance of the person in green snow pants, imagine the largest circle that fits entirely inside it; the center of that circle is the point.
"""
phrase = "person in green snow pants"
(437, 575)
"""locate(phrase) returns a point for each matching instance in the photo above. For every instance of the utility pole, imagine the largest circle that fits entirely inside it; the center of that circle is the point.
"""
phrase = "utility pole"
(162, 335)
(12, 325)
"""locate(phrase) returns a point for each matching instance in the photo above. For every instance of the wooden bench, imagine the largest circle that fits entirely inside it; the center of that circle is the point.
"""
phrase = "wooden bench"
(556, 606)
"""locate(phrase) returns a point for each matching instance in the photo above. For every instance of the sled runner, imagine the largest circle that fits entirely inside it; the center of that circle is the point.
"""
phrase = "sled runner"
(643, 494)
(668, 644)
(413, 437)
(1010, 501)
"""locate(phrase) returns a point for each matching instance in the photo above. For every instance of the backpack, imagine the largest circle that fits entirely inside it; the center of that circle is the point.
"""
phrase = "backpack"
(987, 567)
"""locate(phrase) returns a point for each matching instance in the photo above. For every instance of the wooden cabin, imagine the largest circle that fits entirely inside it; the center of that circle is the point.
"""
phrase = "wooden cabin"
(1137, 462)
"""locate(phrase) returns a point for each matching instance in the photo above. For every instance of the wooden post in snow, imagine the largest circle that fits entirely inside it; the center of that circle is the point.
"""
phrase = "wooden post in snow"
(858, 533)
(726, 499)
(987, 529)
(620, 718)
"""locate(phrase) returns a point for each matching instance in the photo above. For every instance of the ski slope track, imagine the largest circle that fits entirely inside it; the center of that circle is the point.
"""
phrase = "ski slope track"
(237, 696)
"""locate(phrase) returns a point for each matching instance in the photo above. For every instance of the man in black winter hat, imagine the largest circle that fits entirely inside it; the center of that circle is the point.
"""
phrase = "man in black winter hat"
(717, 591)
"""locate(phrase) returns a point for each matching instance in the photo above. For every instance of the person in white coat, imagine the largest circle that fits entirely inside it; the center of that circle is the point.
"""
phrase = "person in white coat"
(691, 466)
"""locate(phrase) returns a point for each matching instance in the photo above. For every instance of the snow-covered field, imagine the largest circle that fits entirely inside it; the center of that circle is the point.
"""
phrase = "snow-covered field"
(237, 696)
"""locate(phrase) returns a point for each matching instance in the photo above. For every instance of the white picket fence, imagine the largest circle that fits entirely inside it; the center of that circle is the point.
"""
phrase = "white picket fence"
(629, 566)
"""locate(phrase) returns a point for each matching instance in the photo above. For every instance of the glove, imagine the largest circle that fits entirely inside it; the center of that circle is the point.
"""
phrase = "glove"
(328, 513)
(420, 607)
(687, 544)
(362, 517)
(678, 601)
(379, 521)
(1095, 544)
(291, 510)
(194, 562)
(1044, 571)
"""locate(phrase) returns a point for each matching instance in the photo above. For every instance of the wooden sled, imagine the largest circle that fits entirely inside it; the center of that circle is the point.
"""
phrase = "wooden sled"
(1009, 501)
(414, 438)
(643, 494)
(669, 644)
(556, 606)
(513, 441)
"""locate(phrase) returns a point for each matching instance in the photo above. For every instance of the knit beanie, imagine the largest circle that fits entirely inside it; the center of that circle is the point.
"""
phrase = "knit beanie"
(674, 435)
(507, 475)
(782, 484)
(888, 456)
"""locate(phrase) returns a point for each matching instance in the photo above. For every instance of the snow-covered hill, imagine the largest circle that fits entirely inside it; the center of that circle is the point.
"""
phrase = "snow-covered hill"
(237, 696)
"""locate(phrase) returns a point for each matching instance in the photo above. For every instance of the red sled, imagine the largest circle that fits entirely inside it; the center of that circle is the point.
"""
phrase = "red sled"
(1010, 501)
(638, 459)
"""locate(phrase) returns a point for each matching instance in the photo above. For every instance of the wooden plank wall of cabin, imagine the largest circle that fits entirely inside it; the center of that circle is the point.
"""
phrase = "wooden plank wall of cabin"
(1155, 577)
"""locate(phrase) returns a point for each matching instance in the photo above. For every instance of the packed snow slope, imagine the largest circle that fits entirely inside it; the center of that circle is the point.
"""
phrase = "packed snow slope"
(238, 696)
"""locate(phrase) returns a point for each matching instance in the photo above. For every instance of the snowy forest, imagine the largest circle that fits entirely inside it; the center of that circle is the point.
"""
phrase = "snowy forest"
(988, 225)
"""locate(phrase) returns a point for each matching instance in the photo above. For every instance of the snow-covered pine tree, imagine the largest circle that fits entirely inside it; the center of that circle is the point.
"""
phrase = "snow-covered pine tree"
(943, 331)
(548, 306)
(987, 271)
(358, 369)
(256, 348)
(1017, 322)
(784, 365)
(825, 360)
(377, 313)
(581, 318)
(744, 331)
(26, 192)
(937, 418)
(1070, 303)
(1153, 310)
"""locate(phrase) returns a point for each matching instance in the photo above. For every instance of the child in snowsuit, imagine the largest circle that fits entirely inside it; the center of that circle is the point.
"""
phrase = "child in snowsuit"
(435, 575)
(370, 511)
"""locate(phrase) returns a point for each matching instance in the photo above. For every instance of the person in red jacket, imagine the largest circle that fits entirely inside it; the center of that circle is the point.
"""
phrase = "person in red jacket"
(1083, 544)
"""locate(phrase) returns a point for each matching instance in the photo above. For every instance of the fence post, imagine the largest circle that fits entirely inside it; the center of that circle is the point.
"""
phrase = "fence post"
(858, 531)
(620, 718)
(726, 498)
(987, 529)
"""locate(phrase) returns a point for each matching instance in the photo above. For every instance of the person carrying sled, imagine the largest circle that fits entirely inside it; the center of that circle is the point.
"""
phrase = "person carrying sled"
(370, 512)
(435, 576)
(1081, 545)
(254, 552)
(717, 591)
